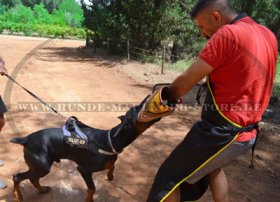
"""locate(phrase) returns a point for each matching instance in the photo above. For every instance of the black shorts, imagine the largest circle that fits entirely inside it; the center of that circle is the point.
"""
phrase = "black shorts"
(3, 108)
(187, 159)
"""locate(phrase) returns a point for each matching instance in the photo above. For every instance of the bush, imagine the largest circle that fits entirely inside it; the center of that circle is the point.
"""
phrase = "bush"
(20, 14)
(43, 30)
(63, 22)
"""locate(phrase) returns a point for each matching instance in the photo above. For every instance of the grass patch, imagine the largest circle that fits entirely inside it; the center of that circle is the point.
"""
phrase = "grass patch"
(276, 90)
(276, 87)
(277, 75)
(180, 65)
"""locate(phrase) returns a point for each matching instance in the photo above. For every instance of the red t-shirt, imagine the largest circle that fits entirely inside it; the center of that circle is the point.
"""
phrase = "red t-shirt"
(244, 57)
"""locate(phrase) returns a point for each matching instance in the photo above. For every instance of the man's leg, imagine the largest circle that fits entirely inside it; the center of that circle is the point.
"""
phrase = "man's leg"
(219, 185)
(175, 196)
(3, 184)
(218, 181)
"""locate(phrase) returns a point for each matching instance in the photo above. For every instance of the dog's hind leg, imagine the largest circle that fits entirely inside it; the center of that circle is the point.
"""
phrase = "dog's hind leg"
(34, 177)
(89, 182)
(17, 179)
(38, 168)
(39, 171)
(41, 189)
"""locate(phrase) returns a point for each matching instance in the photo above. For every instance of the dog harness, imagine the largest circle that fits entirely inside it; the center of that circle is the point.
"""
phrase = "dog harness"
(74, 135)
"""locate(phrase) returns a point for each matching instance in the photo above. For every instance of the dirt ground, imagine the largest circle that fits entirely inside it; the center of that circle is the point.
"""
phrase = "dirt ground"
(63, 73)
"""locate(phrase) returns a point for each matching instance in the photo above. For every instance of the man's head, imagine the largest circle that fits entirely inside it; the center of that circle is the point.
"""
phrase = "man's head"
(210, 15)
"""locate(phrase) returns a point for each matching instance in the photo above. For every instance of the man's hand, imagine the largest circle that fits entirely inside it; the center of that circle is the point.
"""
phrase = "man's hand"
(3, 70)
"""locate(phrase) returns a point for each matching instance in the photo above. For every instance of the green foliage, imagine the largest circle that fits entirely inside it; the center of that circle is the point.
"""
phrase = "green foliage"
(71, 12)
(41, 14)
(176, 27)
(20, 14)
(181, 65)
(36, 20)
(10, 3)
(277, 76)
(147, 24)
(3, 9)
(50, 5)
(266, 12)
(151, 24)
(43, 30)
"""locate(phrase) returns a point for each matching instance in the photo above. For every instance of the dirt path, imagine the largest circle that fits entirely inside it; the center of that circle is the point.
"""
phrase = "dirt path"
(60, 72)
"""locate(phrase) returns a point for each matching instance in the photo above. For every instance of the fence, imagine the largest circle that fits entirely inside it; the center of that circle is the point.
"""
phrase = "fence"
(161, 56)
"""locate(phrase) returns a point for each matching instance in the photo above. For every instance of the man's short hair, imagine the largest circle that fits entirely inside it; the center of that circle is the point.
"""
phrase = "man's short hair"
(202, 4)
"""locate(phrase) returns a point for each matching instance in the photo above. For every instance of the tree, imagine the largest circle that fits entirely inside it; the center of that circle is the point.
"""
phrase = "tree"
(41, 14)
(10, 3)
(148, 24)
(72, 12)
(30, 3)
(69, 13)
(20, 14)
(266, 12)
(52, 5)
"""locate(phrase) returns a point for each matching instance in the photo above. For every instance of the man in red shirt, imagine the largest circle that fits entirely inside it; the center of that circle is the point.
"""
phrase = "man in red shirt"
(239, 61)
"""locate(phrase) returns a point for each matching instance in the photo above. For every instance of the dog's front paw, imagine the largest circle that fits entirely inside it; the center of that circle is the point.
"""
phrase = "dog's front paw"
(17, 197)
(89, 199)
(45, 190)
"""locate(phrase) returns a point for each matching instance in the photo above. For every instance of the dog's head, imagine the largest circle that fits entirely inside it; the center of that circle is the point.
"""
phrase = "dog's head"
(130, 120)
(129, 128)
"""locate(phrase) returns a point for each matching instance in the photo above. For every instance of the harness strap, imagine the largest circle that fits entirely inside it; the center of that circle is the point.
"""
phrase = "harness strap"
(78, 130)
(254, 147)
(202, 88)
(96, 149)
(248, 129)
(101, 151)
(110, 143)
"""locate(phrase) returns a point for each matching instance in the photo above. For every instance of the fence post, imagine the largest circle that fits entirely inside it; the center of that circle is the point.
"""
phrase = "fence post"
(108, 44)
(128, 54)
(163, 59)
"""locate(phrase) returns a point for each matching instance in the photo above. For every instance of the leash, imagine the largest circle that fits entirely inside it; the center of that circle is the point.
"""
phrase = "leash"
(35, 96)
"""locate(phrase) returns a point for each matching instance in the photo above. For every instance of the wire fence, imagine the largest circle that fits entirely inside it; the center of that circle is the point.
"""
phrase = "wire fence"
(161, 56)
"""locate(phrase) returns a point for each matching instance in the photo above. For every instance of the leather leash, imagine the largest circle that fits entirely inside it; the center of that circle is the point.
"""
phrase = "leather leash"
(35, 96)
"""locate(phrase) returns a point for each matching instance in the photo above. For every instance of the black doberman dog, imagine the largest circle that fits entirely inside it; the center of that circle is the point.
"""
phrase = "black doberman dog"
(44, 147)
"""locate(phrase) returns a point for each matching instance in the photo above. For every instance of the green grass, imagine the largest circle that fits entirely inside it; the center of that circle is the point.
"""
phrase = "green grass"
(180, 65)
(277, 76)
(276, 87)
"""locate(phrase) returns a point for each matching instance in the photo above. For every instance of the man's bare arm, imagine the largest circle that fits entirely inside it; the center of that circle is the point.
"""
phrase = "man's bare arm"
(188, 79)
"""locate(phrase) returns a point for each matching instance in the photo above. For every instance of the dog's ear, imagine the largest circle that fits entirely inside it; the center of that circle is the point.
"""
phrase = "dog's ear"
(121, 118)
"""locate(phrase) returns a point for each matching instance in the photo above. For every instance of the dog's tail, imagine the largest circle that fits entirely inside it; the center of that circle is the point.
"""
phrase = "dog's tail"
(19, 140)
